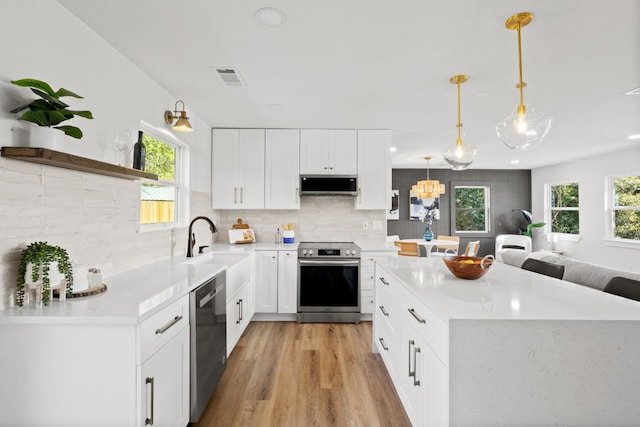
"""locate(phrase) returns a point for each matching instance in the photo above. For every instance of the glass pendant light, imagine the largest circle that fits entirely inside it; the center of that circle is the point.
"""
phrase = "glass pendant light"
(524, 128)
(461, 156)
(428, 189)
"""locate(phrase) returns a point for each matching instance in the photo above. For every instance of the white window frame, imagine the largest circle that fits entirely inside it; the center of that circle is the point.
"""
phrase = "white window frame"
(487, 210)
(548, 208)
(610, 209)
(181, 183)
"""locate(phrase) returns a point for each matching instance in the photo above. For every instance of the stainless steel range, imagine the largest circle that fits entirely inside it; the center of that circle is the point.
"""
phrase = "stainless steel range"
(328, 282)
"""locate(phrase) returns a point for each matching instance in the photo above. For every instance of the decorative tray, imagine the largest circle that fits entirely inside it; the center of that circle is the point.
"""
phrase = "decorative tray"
(85, 292)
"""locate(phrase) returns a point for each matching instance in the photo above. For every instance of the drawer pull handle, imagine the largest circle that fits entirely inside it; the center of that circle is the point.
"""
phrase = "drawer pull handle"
(384, 346)
(149, 421)
(166, 327)
(415, 316)
(384, 281)
(383, 311)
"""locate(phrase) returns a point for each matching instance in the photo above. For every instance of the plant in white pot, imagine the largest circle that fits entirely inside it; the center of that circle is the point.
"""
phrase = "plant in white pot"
(46, 266)
(49, 111)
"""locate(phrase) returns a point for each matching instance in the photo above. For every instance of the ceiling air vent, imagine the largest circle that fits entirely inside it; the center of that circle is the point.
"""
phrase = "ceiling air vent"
(633, 92)
(229, 76)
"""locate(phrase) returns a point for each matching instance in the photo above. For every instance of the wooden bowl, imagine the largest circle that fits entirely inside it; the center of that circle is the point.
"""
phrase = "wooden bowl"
(468, 267)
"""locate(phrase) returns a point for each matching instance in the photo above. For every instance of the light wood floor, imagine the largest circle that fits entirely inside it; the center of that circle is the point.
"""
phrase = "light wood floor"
(288, 374)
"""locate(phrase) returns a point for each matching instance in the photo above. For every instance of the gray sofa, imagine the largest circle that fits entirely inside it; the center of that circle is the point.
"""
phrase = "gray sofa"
(584, 273)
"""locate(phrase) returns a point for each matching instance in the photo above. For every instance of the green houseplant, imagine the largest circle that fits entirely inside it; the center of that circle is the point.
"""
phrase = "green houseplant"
(41, 255)
(49, 110)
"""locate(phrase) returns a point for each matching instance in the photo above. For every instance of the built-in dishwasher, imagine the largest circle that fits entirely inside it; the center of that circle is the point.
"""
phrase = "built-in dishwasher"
(208, 323)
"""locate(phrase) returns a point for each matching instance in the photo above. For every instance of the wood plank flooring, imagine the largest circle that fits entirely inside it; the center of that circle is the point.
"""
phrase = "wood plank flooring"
(287, 374)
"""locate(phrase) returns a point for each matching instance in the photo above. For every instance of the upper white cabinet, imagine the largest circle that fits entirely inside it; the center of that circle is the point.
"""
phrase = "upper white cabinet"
(282, 169)
(374, 169)
(237, 176)
(328, 151)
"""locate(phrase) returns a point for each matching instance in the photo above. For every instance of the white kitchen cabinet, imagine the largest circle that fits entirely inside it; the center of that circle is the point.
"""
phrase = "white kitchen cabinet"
(374, 169)
(282, 169)
(276, 281)
(266, 283)
(367, 278)
(287, 281)
(62, 370)
(240, 299)
(328, 151)
(237, 168)
(164, 384)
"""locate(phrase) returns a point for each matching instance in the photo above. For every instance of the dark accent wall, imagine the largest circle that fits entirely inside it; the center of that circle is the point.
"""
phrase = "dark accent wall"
(509, 189)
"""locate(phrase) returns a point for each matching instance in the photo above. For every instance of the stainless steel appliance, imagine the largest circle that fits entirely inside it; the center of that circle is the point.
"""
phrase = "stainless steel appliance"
(328, 185)
(208, 323)
(328, 282)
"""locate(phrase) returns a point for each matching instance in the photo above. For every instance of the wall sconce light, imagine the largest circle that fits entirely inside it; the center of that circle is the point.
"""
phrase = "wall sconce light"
(524, 128)
(182, 125)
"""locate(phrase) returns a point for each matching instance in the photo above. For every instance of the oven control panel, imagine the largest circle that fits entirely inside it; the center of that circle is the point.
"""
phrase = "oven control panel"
(329, 251)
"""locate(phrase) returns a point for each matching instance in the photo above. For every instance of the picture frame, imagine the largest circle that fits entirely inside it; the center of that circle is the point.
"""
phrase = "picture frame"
(423, 209)
(393, 213)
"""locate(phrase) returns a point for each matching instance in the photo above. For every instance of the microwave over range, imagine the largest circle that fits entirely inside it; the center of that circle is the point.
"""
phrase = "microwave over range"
(328, 185)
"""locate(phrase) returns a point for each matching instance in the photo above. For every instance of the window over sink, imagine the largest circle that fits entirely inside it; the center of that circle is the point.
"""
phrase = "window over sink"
(164, 203)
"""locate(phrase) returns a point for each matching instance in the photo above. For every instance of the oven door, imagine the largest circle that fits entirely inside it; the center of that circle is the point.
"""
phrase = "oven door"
(328, 286)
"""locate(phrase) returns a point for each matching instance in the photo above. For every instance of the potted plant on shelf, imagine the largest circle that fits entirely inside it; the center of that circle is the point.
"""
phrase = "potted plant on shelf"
(48, 112)
(46, 266)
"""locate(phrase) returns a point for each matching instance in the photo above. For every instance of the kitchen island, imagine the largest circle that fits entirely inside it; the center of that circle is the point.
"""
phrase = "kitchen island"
(511, 348)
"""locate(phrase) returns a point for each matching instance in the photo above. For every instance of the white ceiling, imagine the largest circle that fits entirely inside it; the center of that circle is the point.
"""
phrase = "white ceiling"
(387, 64)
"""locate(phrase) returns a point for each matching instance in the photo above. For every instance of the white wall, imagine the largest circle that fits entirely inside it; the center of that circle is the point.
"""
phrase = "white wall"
(94, 217)
(590, 174)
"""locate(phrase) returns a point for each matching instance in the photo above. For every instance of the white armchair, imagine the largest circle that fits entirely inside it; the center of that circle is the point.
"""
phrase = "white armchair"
(511, 241)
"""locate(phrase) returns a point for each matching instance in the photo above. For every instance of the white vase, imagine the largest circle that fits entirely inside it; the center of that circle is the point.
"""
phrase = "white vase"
(45, 137)
(56, 279)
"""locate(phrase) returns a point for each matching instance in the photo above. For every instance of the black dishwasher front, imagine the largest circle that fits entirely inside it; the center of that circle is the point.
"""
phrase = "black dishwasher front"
(208, 323)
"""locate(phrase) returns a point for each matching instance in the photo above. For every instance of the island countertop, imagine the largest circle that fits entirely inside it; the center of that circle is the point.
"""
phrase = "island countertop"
(504, 292)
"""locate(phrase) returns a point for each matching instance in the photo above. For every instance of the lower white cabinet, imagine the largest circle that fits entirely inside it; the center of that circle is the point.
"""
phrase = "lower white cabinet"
(276, 281)
(367, 278)
(410, 340)
(70, 373)
(240, 299)
(164, 384)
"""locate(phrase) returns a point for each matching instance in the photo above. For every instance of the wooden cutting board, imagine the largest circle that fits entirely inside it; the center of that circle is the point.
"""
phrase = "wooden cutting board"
(240, 225)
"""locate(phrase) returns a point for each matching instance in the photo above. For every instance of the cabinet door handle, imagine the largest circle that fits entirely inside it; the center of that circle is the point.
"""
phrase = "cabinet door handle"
(149, 420)
(325, 168)
(241, 195)
(359, 194)
(383, 310)
(238, 313)
(415, 316)
(235, 194)
(416, 381)
(241, 310)
(384, 281)
(411, 373)
(297, 195)
(384, 346)
(166, 327)
(331, 167)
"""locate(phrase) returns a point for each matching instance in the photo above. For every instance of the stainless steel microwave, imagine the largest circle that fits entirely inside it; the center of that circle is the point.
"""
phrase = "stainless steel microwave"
(328, 185)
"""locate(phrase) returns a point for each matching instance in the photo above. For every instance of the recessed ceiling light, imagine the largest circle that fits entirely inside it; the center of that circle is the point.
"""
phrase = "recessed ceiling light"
(515, 162)
(393, 149)
(276, 107)
(635, 136)
(271, 16)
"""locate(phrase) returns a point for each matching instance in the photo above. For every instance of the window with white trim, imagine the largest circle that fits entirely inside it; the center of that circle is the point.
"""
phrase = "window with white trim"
(624, 207)
(563, 214)
(163, 202)
(471, 209)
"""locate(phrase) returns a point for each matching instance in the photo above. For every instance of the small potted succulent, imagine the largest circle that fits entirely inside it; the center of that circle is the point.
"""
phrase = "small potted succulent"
(48, 111)
(40, 264)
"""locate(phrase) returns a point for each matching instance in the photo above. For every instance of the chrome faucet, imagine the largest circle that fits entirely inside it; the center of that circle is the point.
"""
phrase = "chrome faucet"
(192, 237)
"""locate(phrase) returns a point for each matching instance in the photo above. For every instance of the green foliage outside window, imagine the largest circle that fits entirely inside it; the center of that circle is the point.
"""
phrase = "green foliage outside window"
(160, 158)
(159, 199)
(471, 208)
(627, 207)
(565, 213)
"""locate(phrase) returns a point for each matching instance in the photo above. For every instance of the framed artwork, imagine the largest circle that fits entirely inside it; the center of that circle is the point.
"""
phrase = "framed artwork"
(420, 209)
(394, 212)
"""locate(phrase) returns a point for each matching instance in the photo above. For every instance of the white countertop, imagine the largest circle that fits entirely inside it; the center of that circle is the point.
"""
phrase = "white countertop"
(505, 292)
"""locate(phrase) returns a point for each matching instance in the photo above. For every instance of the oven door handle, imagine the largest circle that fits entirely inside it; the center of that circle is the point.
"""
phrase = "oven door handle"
(329, 262)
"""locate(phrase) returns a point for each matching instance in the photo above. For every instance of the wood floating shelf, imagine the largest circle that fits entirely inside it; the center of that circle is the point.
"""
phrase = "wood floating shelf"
(69, 161)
